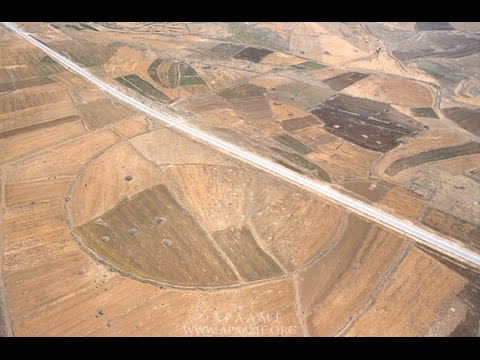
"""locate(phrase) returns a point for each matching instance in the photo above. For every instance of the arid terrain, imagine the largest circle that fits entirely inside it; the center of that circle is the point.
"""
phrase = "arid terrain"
(114, 223)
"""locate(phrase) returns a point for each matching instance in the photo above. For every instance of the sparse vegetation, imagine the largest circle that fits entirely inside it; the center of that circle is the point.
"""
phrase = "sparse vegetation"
(188, 76)
(227, 49)
(308, 65)
(293, 143)
(465, 118)
(187, 70)
(152, 70)
(136, 83)
(432, 155)
(191, 80)
(306, 164)
(88, 27)
(424, 112)
(48, 66)
(74, 27)
(172, 75)
(245, 91)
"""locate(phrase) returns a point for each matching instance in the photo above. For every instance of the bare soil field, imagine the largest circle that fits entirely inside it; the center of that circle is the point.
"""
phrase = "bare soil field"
(453, 226)
(113, 224)
(85, 52)
(303, 93)
(348, 293)
(291, 125)
(372, 191)
(344, 161)
(403, 286)
(45, 67)
(403, 203)
(36, 115)
(15, 144)
(403, 92)
(24, 84)
(249, 101)
(32, 97)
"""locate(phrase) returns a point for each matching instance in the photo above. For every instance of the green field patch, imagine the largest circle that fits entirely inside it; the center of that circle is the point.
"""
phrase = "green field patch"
(152, 70)
(188, 76)
(187, 70)
(191, 80)
(293, 143)
(306, 164)
(424, 112)
(144, 88)
(308, 65)
(172, 75)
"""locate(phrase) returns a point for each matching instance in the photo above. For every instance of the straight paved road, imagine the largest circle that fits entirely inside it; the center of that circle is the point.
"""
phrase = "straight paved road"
(418, 234)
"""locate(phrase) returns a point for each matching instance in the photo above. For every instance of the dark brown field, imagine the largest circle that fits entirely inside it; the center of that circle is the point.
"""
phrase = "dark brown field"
(252, 54)
(372, 133)
(340, 82)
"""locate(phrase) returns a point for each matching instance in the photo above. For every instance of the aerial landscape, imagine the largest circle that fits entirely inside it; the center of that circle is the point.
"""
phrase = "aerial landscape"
(239, 179)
